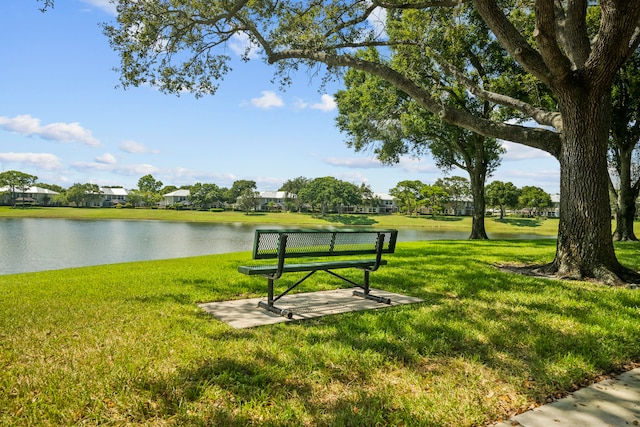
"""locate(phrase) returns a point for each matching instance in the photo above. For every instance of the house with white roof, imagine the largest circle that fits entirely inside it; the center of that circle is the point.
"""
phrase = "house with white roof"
(33, 195)
(554, 210)
(175, 197)
(274, 200)
(381, 203)
(113, 196)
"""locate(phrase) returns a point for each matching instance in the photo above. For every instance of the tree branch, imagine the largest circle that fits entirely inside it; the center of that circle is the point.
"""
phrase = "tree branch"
(542, 139)
(511, 39)
(572, 31)
(608, 53)
(541, 117)
(419, 5)
(545, 35)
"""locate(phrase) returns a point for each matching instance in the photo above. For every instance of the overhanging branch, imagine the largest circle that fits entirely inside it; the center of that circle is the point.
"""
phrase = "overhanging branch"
(542, 139)
(542, 117)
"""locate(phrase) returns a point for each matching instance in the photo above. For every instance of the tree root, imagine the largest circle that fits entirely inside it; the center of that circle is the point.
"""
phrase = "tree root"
(622, 277)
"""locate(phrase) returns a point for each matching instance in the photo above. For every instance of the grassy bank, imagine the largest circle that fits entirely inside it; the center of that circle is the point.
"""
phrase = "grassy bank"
(126, 344)
(515, 225)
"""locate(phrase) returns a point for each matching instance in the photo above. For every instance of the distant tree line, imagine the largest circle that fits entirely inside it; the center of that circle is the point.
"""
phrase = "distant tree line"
(324, 194)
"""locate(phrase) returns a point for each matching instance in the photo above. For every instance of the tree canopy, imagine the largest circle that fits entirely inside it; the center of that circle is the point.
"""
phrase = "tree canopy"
(294, 186)
(502, 195)
(83, 194)
(203, 196)
(330, 193)
(178, 46)
(534, 198)
(407, 194)
(149, 184)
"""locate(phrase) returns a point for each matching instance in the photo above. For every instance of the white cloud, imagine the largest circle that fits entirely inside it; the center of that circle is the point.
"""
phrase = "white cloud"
(353, 177)
(200, 175)
(378, 20)
(105, 5)
(61, 132)
(300, 104)
(406, 164)
(268, 100)
(127, 170)
(356, 163)
(134, 147)
(25, 124)
(241, 45)
(38, 160)
(413, 165)
(106, 158)
(327, 103)
(522, 152)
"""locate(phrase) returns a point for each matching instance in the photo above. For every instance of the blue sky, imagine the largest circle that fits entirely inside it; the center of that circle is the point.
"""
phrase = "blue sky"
(63, 119)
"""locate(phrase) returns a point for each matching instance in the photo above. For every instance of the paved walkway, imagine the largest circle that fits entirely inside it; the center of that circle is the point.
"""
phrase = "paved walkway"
(610, 403)
(246, 313)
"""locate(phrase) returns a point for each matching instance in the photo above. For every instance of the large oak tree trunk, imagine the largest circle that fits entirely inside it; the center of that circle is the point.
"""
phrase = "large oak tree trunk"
(478, 231)
(585, 247)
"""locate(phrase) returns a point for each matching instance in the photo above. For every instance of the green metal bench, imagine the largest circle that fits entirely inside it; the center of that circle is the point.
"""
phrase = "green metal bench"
(319, 243)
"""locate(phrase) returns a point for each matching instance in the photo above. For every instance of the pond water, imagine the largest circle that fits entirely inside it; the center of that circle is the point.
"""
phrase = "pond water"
(30, 244)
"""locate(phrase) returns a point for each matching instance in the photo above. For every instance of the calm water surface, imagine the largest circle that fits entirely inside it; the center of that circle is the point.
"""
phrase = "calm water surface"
(30, 244)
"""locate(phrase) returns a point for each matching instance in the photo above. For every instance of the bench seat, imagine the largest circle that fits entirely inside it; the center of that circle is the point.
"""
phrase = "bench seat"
(311, 266)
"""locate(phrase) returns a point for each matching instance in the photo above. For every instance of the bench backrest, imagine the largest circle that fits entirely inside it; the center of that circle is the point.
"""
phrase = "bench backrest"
(320, 242)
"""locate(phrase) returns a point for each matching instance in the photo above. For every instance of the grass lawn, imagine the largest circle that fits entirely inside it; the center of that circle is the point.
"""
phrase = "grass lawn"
(126, 344)
(543, 227)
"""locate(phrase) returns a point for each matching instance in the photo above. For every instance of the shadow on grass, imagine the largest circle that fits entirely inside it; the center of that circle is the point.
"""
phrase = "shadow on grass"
(520, 222)
(348, 219)
(444, 218)
(479, 330)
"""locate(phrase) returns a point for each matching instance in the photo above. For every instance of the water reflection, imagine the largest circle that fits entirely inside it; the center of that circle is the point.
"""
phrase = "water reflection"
(30, 244)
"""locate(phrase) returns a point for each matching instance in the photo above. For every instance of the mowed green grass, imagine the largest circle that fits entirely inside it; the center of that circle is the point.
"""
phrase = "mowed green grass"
(515, 225)
(126, 344)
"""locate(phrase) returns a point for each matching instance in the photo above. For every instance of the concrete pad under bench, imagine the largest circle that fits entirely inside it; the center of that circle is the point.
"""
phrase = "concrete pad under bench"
(246, 313)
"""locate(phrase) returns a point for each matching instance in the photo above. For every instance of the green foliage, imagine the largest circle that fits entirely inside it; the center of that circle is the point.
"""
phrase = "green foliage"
(294, 187)
(202, 196)
(83, 194)
(434, 197)
(53, 187)
(534, 197)
(17, 182)
(328, 193)
(407, 194)
(239, 188)
(248, 200)
(457, 187)
(503, 195)
(148, 184)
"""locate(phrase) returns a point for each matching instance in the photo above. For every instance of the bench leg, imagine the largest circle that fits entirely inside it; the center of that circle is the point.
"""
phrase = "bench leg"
(365, 291)
(276, 310)
(269, 305)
